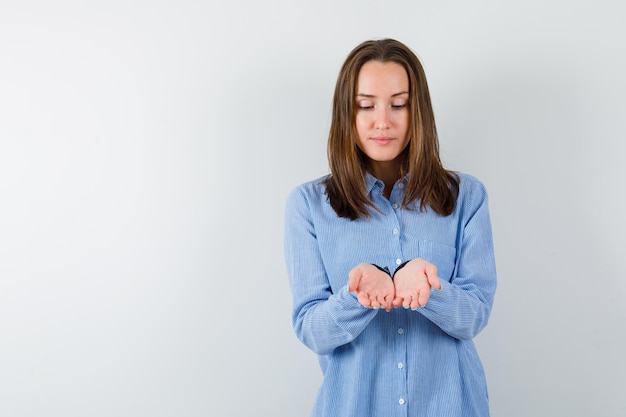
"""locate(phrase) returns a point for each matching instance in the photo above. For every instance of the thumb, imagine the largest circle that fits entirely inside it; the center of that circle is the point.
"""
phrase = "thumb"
(434, 282)
(433, 279)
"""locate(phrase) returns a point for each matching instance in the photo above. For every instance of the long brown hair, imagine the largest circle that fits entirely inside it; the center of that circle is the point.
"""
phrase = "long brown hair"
(428, 181)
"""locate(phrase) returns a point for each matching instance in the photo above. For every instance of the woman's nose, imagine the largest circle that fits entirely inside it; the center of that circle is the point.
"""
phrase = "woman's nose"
(382, 119)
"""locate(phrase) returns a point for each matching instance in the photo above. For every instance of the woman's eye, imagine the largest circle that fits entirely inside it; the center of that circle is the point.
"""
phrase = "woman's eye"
(398, 106)
(366, 105)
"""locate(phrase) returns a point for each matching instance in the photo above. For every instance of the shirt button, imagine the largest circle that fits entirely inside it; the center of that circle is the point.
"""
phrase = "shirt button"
(394, 206)
(398, 261)
(401, 401)
(401, 185)
(395, 231)
(400, 330)
(400, 365)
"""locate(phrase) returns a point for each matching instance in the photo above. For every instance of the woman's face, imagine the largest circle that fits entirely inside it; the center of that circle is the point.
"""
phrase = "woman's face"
(382, 113)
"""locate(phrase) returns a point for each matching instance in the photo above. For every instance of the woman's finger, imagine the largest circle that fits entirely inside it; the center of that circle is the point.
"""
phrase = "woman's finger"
(423, 297)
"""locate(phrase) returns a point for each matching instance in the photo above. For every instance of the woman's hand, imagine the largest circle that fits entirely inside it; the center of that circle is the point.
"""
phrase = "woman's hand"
(413, 283)
(373, 287)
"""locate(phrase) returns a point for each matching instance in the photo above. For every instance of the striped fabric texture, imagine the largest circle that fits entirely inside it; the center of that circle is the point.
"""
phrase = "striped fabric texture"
(400, 363)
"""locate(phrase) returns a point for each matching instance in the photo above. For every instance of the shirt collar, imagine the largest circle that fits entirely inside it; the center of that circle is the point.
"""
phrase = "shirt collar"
(371, 182)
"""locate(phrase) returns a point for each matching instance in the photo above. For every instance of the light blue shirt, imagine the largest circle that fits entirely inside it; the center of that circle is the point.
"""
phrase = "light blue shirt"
(399, 363)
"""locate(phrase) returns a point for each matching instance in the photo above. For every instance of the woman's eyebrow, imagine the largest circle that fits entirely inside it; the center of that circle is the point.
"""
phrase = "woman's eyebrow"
(373, 96)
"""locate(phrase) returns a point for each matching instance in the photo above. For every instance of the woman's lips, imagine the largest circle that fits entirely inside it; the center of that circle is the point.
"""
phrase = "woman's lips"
(382, 140)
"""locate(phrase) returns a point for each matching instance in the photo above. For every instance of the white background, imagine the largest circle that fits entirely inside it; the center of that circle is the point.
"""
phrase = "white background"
(147, 147)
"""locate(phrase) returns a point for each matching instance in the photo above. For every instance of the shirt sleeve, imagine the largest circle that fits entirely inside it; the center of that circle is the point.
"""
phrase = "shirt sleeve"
(322, 320)
(462, 307)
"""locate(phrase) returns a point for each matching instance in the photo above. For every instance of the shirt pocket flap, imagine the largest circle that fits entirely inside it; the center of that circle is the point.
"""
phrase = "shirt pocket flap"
(442, 256)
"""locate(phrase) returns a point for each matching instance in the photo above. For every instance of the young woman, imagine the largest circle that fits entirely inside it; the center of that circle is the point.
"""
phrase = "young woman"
(390, 257)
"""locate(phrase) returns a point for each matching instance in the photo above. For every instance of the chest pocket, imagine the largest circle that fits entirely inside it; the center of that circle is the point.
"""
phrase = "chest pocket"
(442, 256)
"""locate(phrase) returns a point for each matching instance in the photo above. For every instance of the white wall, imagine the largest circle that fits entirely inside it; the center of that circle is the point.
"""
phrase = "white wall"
(147, 147)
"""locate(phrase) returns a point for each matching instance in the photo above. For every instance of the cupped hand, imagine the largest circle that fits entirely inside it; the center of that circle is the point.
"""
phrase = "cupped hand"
(373, 287)
(413, 283)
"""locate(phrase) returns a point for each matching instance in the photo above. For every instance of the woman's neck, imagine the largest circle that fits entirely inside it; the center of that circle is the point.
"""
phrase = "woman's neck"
(387, 172)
